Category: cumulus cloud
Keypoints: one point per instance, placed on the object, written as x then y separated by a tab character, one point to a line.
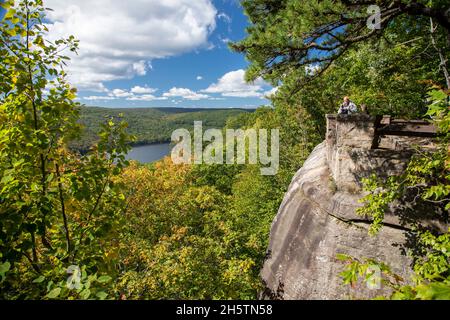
145	97
119	38
143	90
187	94
94	98
138	93
119	93
271	92
199	78
233	84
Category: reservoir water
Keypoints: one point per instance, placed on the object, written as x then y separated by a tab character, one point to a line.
149	153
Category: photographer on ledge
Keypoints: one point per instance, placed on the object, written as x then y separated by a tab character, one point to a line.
347	107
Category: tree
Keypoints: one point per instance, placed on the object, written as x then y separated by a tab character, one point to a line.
58	209
287	36
185	242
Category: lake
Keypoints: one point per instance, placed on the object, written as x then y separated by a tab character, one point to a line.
149	153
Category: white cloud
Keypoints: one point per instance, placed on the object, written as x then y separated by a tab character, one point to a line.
271	92
199	78
140	68
119	93
225	17
136	93
119	38
225	40
93	98
143	90
145	97
233	84
185	94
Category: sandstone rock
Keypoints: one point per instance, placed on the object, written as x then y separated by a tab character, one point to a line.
317	219
312	226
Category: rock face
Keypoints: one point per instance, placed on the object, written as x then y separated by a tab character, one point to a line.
317	220
350	156
311	227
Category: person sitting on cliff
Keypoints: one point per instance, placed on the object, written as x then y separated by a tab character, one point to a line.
348	107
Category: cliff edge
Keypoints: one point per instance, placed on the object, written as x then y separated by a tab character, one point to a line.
317	218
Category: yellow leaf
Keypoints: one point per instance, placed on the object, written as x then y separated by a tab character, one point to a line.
10	13
71	95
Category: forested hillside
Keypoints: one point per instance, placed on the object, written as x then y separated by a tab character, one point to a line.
150	125
166	231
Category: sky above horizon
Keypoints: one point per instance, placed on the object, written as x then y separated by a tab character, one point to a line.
157	53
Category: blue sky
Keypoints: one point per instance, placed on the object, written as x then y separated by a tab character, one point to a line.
157	53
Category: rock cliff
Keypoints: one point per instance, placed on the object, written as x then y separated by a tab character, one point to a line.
317	218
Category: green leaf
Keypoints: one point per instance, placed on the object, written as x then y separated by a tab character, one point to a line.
104	279
342	257
18	162
438	95
54	293
12	32
101	295
6	179
39	279
434	291
85	294
10	13
5	5
4	267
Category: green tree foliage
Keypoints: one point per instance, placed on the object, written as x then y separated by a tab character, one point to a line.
184	242
287	36
57	208
308	49
150	125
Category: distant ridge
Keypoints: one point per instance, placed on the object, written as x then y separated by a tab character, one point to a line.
174	109
152	125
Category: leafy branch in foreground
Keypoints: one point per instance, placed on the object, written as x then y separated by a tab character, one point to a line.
57	209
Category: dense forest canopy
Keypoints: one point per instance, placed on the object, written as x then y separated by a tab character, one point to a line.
200	232
151	125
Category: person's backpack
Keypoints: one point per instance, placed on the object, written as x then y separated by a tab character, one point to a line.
344	110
